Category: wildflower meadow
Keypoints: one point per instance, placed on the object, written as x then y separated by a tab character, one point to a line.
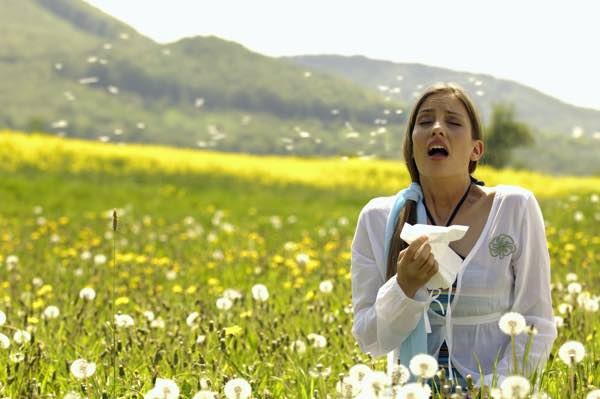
147	272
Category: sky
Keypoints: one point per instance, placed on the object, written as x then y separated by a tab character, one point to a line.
552	46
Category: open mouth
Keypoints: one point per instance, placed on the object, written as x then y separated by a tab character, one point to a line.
437	151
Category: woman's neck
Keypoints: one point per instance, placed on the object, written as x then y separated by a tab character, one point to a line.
441	195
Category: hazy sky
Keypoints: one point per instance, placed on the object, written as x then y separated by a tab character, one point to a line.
553	46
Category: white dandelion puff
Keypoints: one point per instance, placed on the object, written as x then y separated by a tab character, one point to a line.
191	319
224	303
423	365
232	294
326	286
595	394
237	388
571	277
348	387
149	315
21	337
318	341
51	312
574	288
399	374
591	305
565	308
12	261
82	369
164	388
205	394
359	372
559	321
2	318
99	259
512	323
571	352
414	390
124	321
4	341
298	346
515	386
260	292
157	323
302	259
376	383
87	294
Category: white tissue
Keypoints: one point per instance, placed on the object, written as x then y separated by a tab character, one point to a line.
439	237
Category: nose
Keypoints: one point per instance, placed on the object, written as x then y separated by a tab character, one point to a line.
437	128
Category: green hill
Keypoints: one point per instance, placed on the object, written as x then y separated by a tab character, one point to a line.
553	121
69	68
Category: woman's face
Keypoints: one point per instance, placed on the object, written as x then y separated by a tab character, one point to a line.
442	137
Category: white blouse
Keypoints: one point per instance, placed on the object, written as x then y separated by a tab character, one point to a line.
508	269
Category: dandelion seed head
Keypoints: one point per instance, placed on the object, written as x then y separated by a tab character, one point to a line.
512	323
205	394
423	365
595	394
298	346
399	374
571	352
4	341
237	388
191	319
260	292
414	390
51	312
224	303
565	308
318	341
515	386
574	288
21	337
87	294
359	372
326	286
82	369
124	321
232	294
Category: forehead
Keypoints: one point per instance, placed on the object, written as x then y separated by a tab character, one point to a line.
443	102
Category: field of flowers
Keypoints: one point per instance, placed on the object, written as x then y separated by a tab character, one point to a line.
226	275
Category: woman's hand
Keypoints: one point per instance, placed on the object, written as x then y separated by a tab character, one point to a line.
415	266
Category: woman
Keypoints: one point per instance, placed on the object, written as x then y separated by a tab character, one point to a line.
505	262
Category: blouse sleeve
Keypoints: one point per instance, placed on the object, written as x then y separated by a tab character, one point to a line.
532	298
383	315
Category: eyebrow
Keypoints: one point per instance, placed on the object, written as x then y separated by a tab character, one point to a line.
431	110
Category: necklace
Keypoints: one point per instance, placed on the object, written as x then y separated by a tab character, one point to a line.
454	212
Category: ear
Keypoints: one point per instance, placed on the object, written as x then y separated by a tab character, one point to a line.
477	151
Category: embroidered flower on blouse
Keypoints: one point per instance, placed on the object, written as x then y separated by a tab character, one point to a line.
502	245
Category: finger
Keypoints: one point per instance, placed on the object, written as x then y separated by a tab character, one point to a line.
414	246
434	269
423	252
427	263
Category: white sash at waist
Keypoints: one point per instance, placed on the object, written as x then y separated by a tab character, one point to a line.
466	320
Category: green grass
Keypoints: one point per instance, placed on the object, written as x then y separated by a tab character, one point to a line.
153	238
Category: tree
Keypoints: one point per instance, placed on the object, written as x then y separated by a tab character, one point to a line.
504	133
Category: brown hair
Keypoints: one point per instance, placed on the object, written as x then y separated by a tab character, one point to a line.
409	212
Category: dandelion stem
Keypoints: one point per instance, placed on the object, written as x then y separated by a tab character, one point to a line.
114	345
514	353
